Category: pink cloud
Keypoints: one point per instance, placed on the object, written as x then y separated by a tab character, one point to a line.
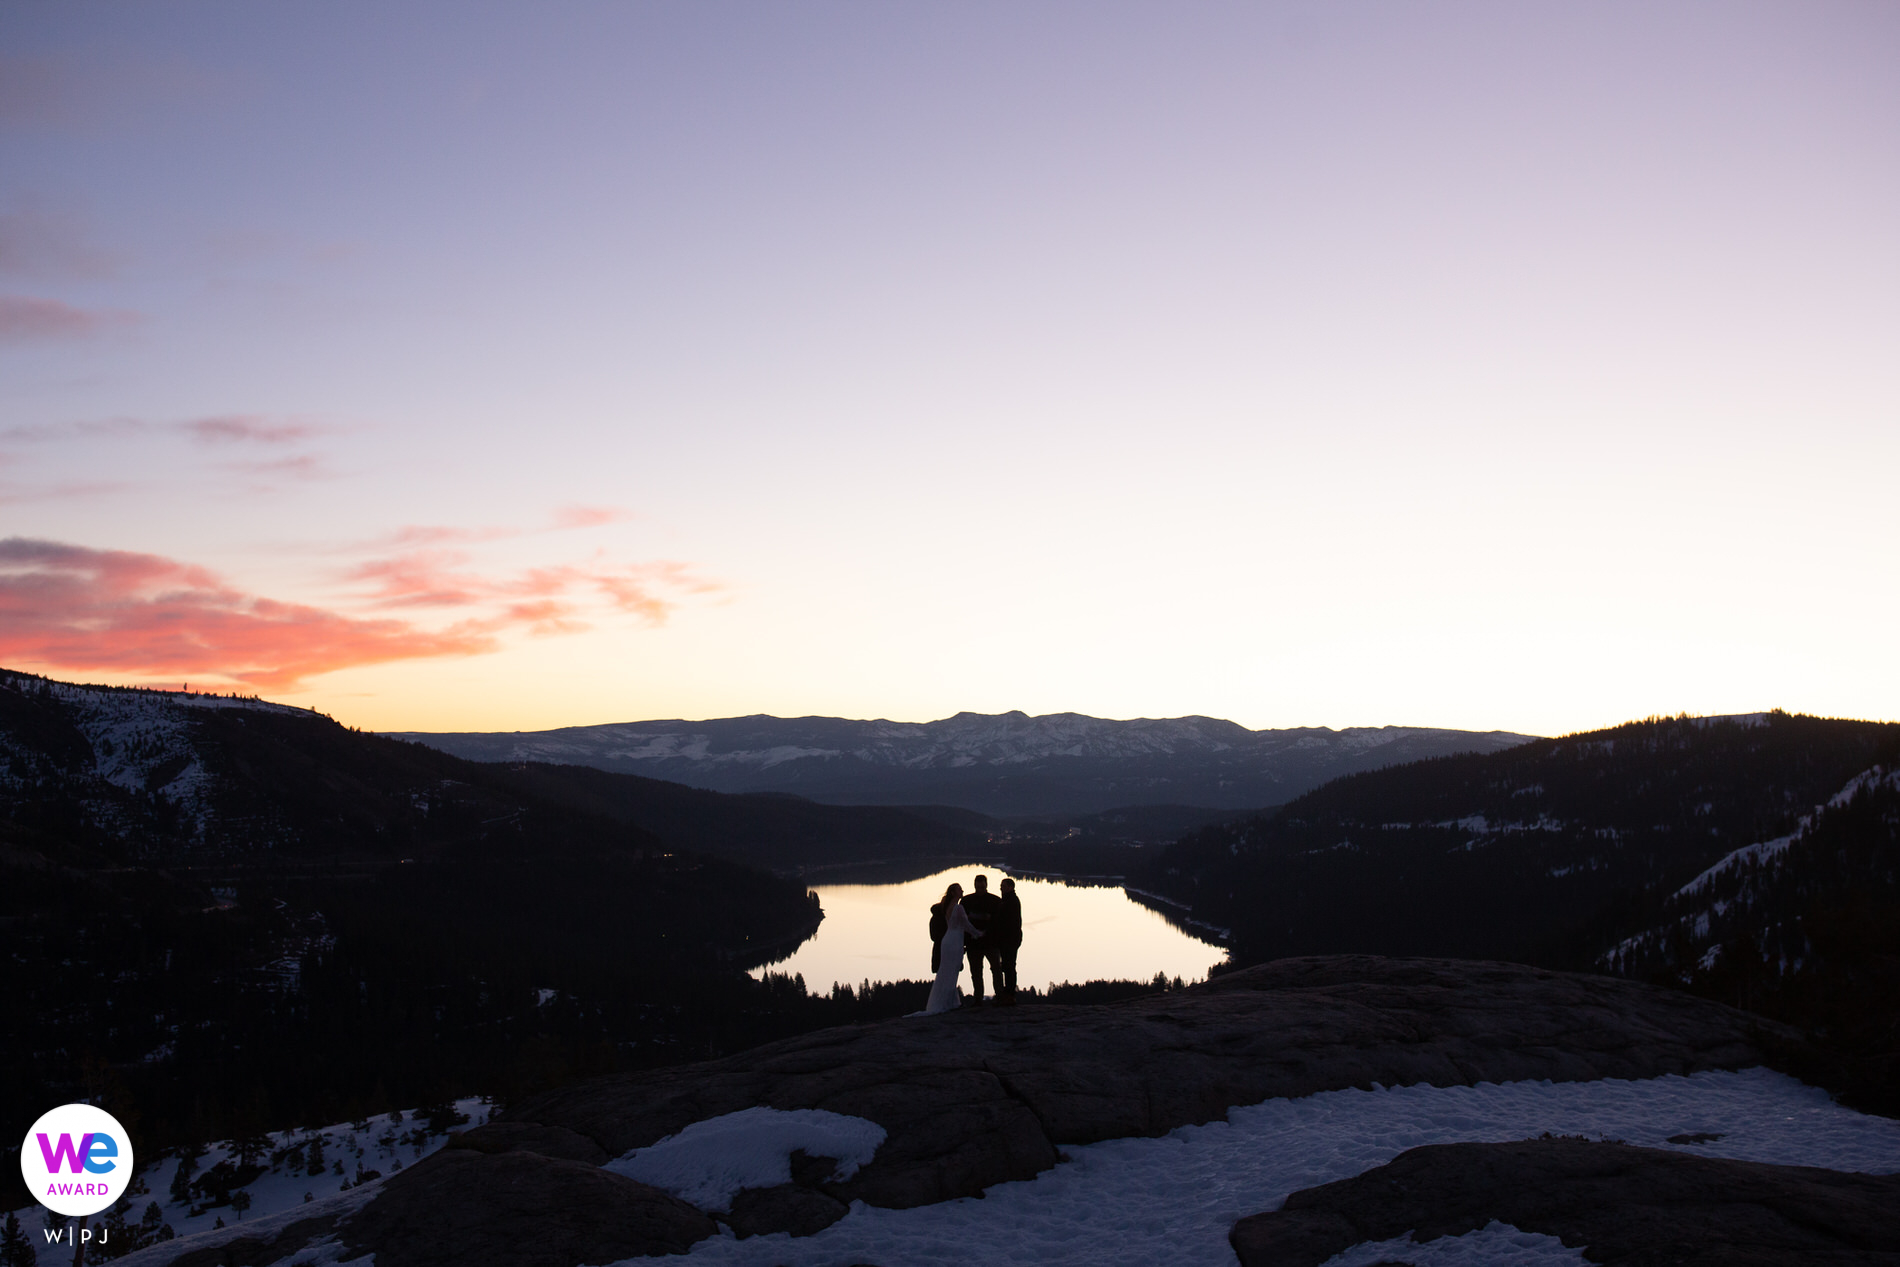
589	516
37	240
240	428
302	466
14	494
33	90
24	317
71	607
95	429
541	597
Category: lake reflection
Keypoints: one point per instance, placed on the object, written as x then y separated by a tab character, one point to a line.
881	932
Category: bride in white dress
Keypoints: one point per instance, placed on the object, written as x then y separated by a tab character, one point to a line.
944	996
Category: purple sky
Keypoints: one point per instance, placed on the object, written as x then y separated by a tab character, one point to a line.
1512	365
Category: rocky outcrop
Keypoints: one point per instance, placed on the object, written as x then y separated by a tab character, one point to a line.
257	1249
800	1207
532	1137
463	1208
1620	1205
977	1097
980	1096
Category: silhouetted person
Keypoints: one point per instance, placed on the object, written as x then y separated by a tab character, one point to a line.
939	925
983	907
1004	940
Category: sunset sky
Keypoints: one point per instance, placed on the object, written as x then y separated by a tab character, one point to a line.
1511	365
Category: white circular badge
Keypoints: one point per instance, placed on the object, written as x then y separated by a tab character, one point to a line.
77	1160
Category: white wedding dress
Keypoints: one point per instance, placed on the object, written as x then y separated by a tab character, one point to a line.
944	995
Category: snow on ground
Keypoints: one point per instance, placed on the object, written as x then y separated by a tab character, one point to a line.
386	1144
1173	1199
322	1252
710	1161
1494	1243
1140	1201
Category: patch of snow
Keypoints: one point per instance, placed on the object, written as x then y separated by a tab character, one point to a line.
1492	1244
1173	1199
1746	720
710	1161
321	1253
1768	849
1757	853
1344	844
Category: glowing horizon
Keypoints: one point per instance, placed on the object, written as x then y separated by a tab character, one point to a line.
1464	366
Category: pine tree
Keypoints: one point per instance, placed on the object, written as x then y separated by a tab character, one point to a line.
16	1250
187	1167
250	1146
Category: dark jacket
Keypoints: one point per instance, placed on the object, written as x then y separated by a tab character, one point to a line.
1007	928
939	925
982	908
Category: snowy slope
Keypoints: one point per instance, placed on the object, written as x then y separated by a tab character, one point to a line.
1730	898
117	750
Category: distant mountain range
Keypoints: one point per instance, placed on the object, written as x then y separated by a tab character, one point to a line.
1004	764
168	778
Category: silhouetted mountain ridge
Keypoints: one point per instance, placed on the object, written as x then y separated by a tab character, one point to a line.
170	778
1006	764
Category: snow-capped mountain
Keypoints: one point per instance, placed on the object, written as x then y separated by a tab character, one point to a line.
1006	763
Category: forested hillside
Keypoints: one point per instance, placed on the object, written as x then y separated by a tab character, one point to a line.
221	916
1590	851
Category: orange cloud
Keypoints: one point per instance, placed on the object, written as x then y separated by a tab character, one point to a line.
70	607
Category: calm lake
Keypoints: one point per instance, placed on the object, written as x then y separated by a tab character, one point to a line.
881	932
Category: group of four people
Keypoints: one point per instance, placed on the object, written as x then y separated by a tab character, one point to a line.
983	927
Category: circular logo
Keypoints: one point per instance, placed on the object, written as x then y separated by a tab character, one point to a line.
77	1160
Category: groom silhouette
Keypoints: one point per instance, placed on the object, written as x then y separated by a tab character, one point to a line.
982	906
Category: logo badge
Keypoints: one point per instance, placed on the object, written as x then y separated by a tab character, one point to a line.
77	1160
